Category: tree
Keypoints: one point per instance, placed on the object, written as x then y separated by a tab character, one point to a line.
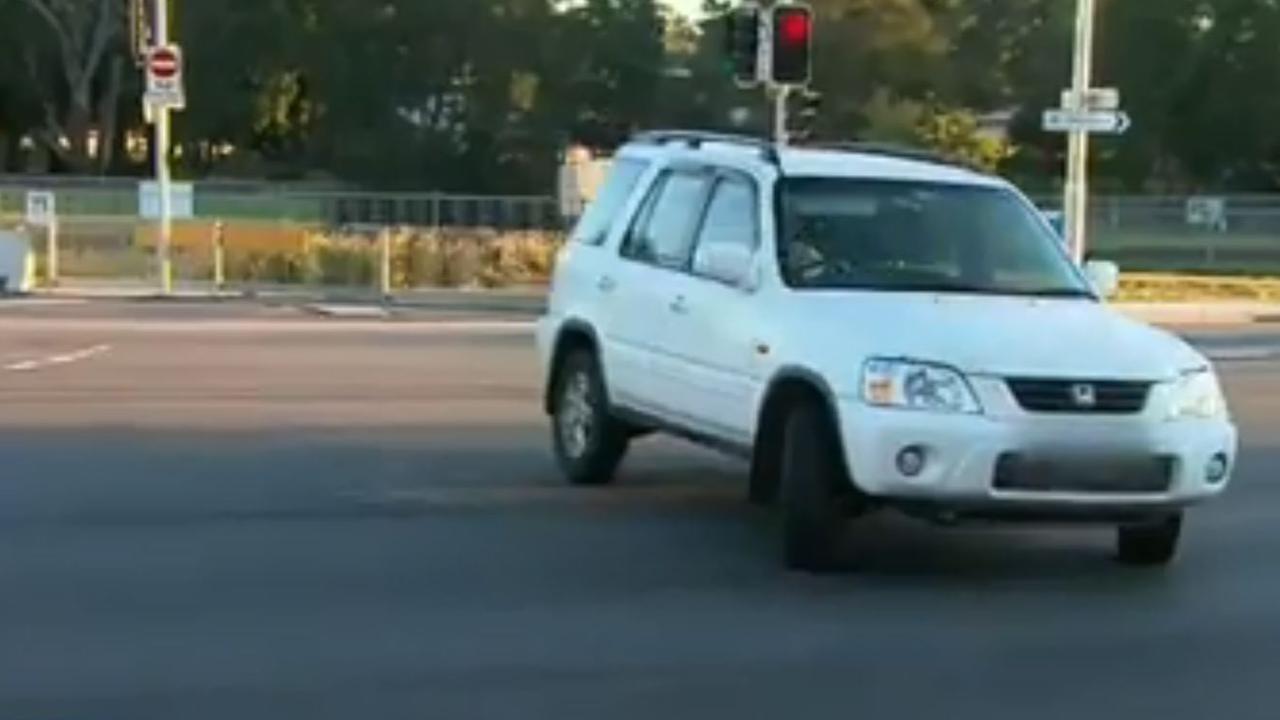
73	60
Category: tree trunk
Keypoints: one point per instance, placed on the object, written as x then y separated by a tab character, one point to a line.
109	117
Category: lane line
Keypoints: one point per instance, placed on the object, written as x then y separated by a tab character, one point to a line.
60	359
1241	353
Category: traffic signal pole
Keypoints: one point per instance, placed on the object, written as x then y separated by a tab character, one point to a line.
1076	198
163	176
780	119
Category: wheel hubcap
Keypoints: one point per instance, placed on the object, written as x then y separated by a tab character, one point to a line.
577	419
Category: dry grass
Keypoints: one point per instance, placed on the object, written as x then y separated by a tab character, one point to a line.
1140	287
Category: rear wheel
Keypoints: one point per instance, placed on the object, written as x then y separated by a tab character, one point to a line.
589	443
1148	543
813	485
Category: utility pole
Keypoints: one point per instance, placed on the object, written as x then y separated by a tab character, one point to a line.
163	177
1076	199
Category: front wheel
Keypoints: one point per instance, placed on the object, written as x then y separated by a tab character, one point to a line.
813	484
589	443
1149	543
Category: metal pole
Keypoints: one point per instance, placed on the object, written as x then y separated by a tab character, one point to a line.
781	92
163	178
51	253
219	257
1076	200
385	279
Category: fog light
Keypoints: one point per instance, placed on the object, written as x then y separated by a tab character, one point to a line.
1216	471
911	461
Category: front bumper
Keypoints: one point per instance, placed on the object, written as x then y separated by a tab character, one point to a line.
962	453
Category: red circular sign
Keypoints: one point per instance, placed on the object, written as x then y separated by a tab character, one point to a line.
163	63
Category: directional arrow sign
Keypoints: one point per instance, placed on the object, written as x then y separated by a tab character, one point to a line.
1106	122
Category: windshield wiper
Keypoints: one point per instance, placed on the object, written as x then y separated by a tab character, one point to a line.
1057	293
966	289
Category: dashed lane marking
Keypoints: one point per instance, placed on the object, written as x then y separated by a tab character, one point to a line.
1242	353
76	356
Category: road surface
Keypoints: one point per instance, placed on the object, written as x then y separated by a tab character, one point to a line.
238	511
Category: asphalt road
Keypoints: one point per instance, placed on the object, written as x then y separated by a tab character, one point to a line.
245	512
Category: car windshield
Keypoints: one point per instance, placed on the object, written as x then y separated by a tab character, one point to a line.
919	236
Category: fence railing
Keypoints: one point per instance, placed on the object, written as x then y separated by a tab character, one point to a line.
101	232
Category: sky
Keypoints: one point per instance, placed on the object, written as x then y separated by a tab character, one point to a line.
688	7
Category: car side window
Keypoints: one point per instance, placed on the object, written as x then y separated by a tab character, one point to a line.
662	233
593	226
732	218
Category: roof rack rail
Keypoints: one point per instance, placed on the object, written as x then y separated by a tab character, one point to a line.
892	150
696	138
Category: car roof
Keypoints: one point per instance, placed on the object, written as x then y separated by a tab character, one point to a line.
869	162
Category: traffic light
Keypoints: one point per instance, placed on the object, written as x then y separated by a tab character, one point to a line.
792	44
804	107
742	40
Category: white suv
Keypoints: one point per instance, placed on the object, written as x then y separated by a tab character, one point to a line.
871	329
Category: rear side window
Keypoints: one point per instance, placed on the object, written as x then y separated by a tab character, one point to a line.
663	230
593	227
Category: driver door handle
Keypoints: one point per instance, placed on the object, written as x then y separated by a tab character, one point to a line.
606	284
679	305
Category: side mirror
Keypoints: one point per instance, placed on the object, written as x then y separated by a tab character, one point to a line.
1104	276
728	263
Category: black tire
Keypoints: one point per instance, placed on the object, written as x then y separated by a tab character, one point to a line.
766	468
813	484
1149	543
593	458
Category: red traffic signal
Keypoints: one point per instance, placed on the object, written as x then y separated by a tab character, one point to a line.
792	44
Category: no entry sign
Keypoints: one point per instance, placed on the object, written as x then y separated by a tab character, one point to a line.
164	78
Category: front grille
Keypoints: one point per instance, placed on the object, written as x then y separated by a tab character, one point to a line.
1108	397
1149	474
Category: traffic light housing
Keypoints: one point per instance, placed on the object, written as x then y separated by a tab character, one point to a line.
792	44
742	44
803	111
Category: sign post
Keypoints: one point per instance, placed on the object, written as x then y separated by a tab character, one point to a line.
1076	195
164	94
42	211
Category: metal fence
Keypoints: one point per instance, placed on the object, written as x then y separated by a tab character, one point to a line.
101	232
118	200
1238	234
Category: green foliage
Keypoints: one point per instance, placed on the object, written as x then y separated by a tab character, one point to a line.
481	95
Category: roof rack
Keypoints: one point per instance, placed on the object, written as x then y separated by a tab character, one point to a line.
891	150
696	138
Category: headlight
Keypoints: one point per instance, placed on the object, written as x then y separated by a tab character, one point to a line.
1196	395
917	386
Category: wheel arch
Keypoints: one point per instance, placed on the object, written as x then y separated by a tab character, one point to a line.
573	334
788	386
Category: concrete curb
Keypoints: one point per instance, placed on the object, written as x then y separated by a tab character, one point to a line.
1211	313
531	302
349	312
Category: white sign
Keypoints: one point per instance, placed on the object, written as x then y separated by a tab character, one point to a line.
1094	99
182	200
1091	121
164	79
42	208
1209	212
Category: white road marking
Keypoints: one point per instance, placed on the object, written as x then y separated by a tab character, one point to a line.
19	302
1228	354
60	359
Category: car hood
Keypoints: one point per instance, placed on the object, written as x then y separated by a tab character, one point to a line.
999	335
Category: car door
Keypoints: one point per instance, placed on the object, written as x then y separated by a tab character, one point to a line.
711	341
653	257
